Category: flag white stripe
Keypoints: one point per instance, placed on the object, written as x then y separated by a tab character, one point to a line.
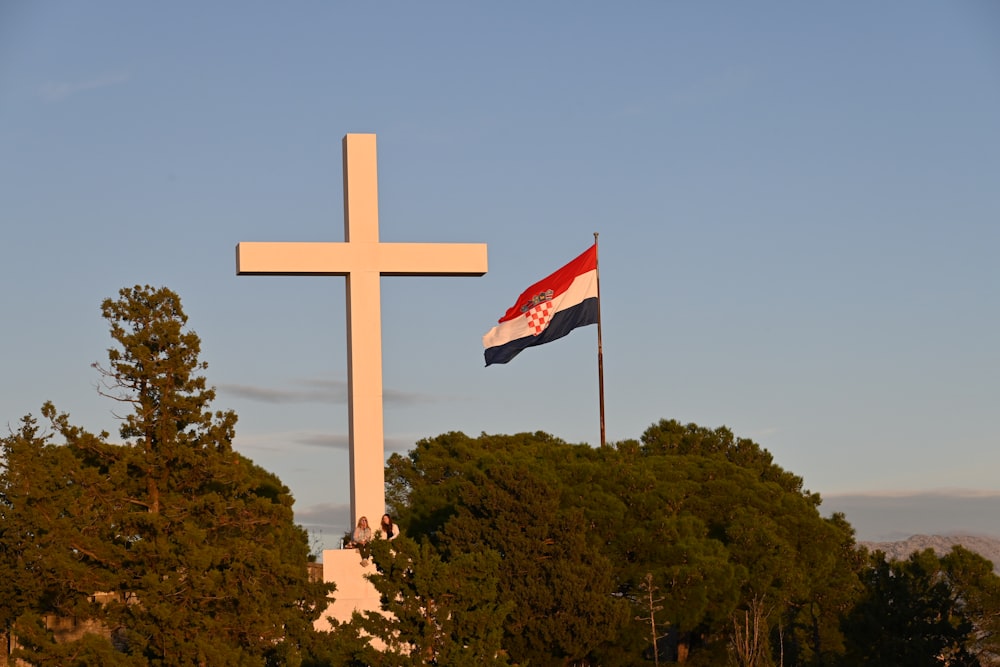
584	287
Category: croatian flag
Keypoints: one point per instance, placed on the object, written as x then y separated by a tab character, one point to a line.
547	310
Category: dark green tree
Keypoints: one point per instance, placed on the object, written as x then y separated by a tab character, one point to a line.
439	612
199	547
55	546
558	581
910	615
503	494
976	588
712	519
656	534
745	531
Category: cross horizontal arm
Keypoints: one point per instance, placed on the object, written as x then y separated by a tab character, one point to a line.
341	259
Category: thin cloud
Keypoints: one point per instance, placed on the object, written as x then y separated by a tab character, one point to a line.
313	391
62	90
393	397
279	442
325	522
342	441
317	391
321	514
325	440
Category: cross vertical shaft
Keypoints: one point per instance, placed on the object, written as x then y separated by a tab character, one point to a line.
364	331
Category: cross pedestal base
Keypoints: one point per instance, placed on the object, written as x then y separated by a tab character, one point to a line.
354	593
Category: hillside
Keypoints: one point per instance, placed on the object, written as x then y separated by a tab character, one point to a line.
987	547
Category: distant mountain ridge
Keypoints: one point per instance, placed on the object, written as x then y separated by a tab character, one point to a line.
987	547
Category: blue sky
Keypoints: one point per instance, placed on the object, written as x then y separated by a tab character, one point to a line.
798	209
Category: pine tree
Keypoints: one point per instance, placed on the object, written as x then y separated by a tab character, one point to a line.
909	615
976	588
197	544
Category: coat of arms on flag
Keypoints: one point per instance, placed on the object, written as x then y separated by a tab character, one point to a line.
539	317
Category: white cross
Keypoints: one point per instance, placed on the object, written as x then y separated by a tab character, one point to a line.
363	260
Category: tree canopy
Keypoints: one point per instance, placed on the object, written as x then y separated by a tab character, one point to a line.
926	610
688	529
193	547
710	520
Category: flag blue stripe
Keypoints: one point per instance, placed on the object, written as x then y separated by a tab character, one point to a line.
562	323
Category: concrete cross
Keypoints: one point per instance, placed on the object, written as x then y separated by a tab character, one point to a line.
363	260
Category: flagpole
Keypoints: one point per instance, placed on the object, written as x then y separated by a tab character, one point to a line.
600	347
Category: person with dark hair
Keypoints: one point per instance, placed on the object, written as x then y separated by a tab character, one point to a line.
389	529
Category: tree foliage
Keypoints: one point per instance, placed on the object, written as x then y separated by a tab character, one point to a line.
976	588
926	610
195	545
440	612
709	520
55	540
746	569
483	495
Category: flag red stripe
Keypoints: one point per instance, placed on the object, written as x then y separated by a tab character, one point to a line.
558	282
